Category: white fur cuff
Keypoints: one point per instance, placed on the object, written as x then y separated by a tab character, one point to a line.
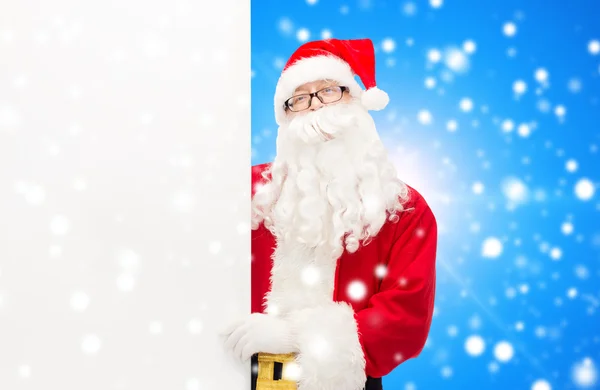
331	357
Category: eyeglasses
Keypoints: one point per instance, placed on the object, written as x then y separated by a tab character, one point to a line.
326	96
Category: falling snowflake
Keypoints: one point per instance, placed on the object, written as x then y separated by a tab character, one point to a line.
519	87
424	117
544	105
155	327
243	228
409	8
381	271
10	118
594	47
515	190
430	83
474	345
507	125
129	260
466	105
55	251
477	188
503	351
303	35
540	332
541	75
574	85
456	60
452	125
79	184
493	367
278	63
292	371
357	291
34	193
193	384
524	130
410	386
24	371
491	247
285	25
446	371
509	29
79	301
585	374
571	165
90	344
319	346
452	331
511	293
555	253
469	46
582	272
388	45
541	384
214	247
310	275
567	228
183	201
125	282
59	225
584	189
434	56
560	111
195	326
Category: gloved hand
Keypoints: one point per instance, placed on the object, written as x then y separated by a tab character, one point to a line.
259	333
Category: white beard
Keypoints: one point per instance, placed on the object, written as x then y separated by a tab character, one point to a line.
332	185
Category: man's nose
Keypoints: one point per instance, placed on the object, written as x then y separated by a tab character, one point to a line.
315	104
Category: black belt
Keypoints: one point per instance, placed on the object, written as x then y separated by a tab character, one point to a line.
371	384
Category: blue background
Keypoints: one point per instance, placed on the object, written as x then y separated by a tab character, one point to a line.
518	208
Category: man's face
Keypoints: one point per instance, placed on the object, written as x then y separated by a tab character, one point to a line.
329	93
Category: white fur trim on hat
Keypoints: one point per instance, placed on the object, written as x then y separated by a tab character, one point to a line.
374	99
306	70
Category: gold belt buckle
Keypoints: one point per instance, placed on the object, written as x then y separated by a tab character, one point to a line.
266	372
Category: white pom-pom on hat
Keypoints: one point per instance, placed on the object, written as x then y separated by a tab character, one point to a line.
374	99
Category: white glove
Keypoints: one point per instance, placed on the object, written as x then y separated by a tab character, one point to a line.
259	333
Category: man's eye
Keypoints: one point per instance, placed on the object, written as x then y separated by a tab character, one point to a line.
299	99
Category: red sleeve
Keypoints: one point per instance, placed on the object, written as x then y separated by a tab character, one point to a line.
262	244
394	326
257	175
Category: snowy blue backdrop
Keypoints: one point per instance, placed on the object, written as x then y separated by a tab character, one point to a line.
494	117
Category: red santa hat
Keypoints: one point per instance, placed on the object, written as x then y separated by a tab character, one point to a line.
332	59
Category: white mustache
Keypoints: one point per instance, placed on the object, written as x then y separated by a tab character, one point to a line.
324	135
326	123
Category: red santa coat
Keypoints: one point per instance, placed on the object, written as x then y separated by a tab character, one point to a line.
397	268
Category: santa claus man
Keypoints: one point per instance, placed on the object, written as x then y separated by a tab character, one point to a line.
343	252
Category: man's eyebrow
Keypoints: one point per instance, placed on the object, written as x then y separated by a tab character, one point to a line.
320	85
327	83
